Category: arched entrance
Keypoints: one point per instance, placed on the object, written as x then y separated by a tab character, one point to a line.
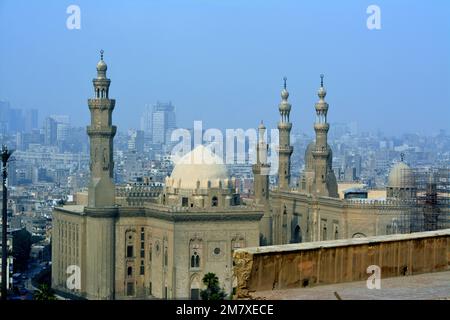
195	287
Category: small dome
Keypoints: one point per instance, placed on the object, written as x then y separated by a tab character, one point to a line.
401	176
101	66
199	165
284	94
322	92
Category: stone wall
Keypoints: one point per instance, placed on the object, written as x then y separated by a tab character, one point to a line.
326	262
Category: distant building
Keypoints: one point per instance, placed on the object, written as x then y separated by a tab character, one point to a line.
50	131
4	116
163	122
31	120
136	140
146	120
10	260
62	126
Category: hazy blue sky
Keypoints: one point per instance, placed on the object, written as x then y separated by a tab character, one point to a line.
222	61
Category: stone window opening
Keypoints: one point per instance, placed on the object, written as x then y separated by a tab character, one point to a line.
142	268
214	201
142	250
130	251
166	257
130	271
195	260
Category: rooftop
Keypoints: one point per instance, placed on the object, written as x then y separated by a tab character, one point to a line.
427	286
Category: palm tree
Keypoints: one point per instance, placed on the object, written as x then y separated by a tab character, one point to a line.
44	292
213	290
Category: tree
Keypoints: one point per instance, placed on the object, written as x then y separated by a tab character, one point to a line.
213	290
44	292
21	249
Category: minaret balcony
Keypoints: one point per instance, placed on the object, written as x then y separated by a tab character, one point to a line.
285	149
321	126
320	152
101	103
101	131
284	126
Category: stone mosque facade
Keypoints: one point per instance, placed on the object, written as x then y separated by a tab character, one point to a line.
160	248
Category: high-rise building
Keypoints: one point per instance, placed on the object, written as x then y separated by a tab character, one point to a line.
62	131
4	116
16	120
61	118
146	120
136	140
50	131
31	117
163	122
62	126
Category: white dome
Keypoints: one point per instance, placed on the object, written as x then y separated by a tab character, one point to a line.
198	165
401	176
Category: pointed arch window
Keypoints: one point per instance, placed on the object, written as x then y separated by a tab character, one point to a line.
195	249
195	260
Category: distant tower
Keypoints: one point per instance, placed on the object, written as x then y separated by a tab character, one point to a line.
324	178
261	168
98	274
284	149
101	134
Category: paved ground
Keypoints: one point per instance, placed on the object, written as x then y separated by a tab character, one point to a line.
427	286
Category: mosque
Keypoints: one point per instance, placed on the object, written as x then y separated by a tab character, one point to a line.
142	246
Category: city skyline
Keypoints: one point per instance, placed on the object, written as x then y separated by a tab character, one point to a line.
374	77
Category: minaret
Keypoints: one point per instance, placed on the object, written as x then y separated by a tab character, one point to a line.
99	269
261	168
101	134
284	149
324	180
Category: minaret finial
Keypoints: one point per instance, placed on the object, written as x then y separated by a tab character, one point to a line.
101	54
321	80
285	79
